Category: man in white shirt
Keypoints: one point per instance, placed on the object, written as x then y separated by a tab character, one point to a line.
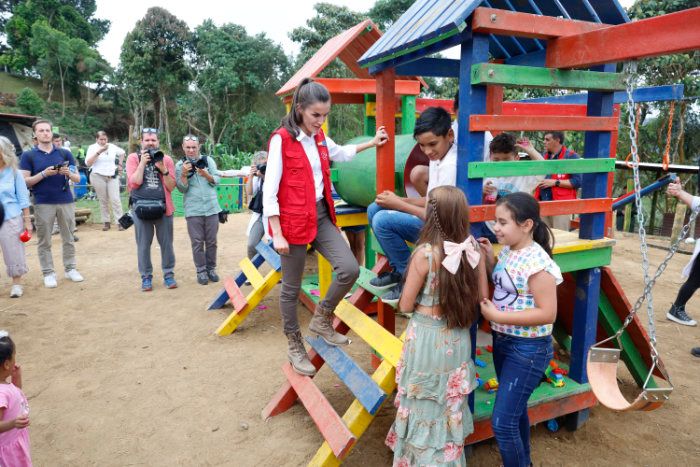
396	220
102	157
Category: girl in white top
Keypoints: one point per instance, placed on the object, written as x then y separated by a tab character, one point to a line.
102	158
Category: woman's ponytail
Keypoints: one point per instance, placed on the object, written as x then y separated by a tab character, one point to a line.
307	93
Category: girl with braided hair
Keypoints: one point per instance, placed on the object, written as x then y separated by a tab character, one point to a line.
445	280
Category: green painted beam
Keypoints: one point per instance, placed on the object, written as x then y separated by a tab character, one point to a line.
408	114
538	77
585	259
370	123
418	46
334	175
630	354
563	166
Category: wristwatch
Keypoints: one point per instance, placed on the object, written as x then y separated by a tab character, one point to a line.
557	183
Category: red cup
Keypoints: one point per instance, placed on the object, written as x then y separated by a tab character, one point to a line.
25	236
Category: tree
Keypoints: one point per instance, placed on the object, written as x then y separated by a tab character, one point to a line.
29	102
153	65
385	12
55	53
232	72
74	18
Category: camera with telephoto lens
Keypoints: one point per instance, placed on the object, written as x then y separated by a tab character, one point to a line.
156	155
261	168
200	163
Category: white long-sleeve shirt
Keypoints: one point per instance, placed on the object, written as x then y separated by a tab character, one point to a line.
273	175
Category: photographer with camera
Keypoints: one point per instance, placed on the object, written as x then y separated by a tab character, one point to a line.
47	169
197	183
253	188
150	178
104	176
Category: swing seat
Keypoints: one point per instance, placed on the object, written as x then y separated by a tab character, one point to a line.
602	375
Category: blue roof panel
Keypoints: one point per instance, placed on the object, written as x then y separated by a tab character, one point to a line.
427	20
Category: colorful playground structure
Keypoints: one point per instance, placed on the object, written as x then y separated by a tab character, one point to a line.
539	44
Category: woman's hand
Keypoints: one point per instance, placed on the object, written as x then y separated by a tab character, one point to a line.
675	188
381	137
488	309
280	244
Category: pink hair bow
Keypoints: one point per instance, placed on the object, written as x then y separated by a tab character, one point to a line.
453	254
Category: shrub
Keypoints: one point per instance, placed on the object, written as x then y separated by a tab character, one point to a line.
29	102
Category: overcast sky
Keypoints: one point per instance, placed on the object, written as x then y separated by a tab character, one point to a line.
276	18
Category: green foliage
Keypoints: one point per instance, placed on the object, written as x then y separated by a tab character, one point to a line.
385	12
29	102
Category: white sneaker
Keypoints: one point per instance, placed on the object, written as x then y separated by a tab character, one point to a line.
50	281
74	275
16	291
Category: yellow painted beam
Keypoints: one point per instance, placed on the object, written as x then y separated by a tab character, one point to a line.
349	220
254	298
381	340
251	273
371	110
324	127
325	275
357	418
563	244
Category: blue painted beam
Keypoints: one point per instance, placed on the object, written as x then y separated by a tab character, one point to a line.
649	94
657	185
427	66
222	297
532	59
360	383
265	250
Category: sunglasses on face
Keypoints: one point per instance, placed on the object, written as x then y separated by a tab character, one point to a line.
190	138
150	130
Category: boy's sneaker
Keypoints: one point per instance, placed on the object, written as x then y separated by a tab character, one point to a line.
678	315
16	291
50	281
170	283
74	275
146	284
385	280
391	298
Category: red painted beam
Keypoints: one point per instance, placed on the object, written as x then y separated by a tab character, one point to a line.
539	413
334	431
540	122
423	103
285	397
367	86
386	111
512	23
548	208
234	294
662	35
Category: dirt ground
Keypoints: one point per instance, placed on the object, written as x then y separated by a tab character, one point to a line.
115	376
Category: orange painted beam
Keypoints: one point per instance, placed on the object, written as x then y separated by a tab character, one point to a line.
539	413
512	23
386	110
487	212
540	122
662	35
367	86
234	294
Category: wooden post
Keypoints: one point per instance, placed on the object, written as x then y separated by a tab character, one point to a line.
370	122
652	216
627	224
678	220
408	114
386	110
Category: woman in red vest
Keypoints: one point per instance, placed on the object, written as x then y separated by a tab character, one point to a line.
298	205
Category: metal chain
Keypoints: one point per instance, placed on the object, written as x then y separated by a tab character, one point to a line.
630	69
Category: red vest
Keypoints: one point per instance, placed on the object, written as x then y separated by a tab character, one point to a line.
297	190
560	193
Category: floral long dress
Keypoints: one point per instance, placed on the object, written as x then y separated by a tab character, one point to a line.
434	377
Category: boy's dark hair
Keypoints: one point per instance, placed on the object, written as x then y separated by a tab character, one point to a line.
556	135
503	143
7	348
435	120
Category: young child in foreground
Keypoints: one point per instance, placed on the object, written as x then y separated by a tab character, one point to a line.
445	280
14	410
523	309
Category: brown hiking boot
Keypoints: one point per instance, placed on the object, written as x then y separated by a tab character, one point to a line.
296	353
322	324
106	226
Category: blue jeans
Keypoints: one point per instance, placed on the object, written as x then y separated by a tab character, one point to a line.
520	364
393	229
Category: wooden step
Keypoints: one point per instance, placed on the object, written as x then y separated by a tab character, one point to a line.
555	166
363	281
540	123
329	423
256	295
270	255
234	293
222	296
251	273
551	78
360	383
381	340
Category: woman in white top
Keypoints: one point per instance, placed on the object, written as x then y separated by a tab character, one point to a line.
253	188
102	157
298	205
